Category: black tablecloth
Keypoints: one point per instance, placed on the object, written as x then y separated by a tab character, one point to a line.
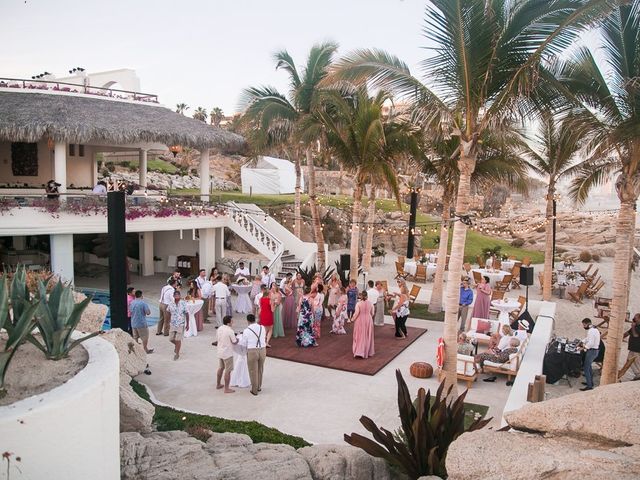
558	364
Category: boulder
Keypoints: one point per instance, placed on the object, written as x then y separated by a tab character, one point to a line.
343	462
133	358
136	414
228	456
486	454
92	318
610	413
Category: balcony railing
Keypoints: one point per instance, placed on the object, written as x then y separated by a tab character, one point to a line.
55	86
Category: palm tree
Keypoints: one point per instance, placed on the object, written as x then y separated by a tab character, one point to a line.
555	157
200	114
181	108
288	119
609	91
488	57
216	115
370	230
366	145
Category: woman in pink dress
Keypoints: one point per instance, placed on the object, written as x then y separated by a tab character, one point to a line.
290	317
363	328
483	299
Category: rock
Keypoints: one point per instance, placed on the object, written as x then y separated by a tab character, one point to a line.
338	462
430	477
228	456
136	414
610	412
92	318
133	358
484	454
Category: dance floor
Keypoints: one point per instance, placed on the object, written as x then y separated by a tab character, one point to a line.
334	351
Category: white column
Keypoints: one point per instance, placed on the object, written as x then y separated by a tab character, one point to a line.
145	243
60	165
207	248
62	256
143	168
219	245
204	175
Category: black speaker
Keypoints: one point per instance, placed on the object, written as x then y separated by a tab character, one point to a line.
345	261
526	276
116	229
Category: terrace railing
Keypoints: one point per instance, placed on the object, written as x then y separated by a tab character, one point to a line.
55	86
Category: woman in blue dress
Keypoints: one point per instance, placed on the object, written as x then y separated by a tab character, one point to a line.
305	336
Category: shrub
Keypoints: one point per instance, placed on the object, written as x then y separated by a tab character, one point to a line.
110	166
542	229
428	428
517	242
585	256
489	251
595	257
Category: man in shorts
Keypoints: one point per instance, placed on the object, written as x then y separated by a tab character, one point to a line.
226	340
178	312
139	311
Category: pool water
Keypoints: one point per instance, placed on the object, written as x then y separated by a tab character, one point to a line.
101	297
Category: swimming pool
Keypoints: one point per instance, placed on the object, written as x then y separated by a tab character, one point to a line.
101	297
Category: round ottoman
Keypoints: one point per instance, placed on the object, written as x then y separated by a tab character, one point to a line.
421	370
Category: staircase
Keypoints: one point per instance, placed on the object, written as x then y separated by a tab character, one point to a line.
289	264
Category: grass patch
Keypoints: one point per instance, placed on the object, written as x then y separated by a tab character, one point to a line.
156	165
420	310
167	418
473	410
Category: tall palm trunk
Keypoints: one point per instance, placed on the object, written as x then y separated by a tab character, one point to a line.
548	245
435	304
466	165
355	231
625	233
297	226
315	214
368	245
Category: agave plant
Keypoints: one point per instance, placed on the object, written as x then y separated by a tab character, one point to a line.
56	319
17	331
345	275
428	428
308	274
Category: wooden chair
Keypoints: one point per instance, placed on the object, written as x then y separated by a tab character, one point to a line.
586	272
503	285
400	273
497	264
421	274
526	261
401	260
592	276
577	296
541	280
413	294
516	313
511	257
446	263
480	261
477	278
596	288
497	295
515	276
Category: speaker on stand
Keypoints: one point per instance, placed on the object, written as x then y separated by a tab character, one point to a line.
345	261
526	279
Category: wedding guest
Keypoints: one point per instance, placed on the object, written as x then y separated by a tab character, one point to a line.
194	293
287	278
213	275
241	271
220	294
500	356
464	346
100	188
276	307
140	329
298	289
266	314
401	311
166	297
51	188
177	276
634	346
483	299
591	345
372	296
506	334
318	309
466	299
207	293
227	281
254	338
521	334
289	317
130	298
178	312
267	277
254	294
334	293
378	318
363	343
226	340
305	336
352	298
340	317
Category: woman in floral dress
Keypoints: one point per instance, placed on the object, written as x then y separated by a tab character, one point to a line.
340	317
334	294
276	307
298	289
304	336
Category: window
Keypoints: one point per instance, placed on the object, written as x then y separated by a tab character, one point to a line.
24	159
81	150
72	150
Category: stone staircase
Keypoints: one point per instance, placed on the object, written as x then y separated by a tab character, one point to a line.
289	264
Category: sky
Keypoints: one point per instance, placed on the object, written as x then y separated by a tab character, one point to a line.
199	52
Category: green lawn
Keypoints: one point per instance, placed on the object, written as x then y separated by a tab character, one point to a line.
475	243
167	418
156	165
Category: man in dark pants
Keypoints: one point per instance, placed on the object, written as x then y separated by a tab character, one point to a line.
591	347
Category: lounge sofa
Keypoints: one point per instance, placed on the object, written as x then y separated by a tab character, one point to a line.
509	368
482	337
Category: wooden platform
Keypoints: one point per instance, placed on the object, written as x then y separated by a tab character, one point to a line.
334	351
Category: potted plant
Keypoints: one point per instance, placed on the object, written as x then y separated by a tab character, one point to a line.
157	264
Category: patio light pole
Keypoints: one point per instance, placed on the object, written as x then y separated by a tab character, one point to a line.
415	191
116	230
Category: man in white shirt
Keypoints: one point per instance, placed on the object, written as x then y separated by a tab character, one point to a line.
166	297
242	271
226	340
372	293
201	282
592	348
220	292
284	281
267	278
521	334
254	337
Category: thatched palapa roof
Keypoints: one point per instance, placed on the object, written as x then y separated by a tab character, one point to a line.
30	116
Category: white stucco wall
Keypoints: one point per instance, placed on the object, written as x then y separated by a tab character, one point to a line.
169	243
72	431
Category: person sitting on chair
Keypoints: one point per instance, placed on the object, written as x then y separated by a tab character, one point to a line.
464	346
500	356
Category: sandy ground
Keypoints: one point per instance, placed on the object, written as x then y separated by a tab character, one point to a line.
30	373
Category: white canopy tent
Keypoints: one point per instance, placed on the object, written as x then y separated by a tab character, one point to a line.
269	175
